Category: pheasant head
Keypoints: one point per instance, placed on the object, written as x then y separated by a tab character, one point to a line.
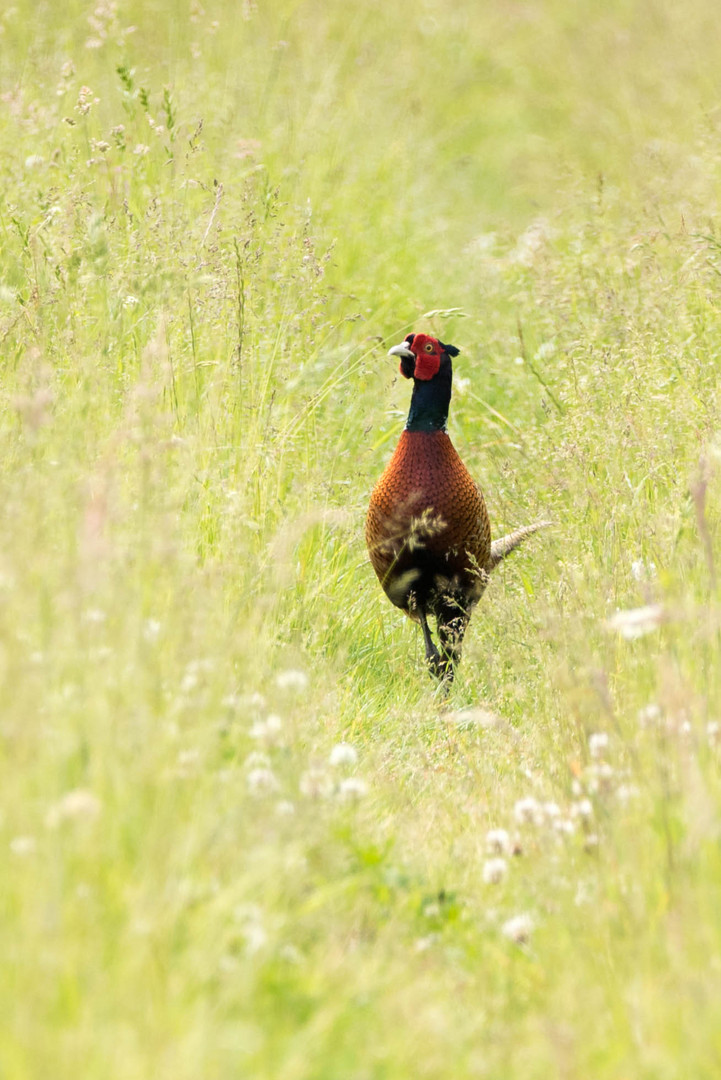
427	361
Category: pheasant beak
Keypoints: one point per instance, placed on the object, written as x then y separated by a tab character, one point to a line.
407	365
402	350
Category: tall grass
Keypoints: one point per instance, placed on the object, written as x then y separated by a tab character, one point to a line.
214	219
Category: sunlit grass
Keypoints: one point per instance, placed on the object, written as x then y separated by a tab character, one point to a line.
240	833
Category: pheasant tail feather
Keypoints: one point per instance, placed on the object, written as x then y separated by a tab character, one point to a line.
506	544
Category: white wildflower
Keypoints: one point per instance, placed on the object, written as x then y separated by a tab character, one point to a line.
130	301
518	929
151	630
494	870
531	242
74	805
498	842
636	622
551	810
273	723
599	777
343	754
262	781
650	714
285	808
713	731
528	811
257	760
352	788
597	743
583	809
250	917
292	679
189	681
245	701
315	783
641	571
255	937
267	730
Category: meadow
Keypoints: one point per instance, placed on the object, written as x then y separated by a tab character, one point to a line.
241	835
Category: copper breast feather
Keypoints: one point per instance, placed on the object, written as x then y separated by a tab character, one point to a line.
427	526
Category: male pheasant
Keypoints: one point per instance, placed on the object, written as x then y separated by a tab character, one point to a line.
427	529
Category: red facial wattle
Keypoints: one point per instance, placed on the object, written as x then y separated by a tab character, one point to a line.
420	356
427	352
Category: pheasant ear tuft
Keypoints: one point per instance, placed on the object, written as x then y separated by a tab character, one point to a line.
450	349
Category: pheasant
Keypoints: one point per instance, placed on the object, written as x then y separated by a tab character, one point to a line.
427	530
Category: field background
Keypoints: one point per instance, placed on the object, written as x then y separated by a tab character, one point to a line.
215	218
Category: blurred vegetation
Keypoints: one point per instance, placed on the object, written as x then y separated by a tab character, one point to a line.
214	220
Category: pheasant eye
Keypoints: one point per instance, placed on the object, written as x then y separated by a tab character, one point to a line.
429	347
